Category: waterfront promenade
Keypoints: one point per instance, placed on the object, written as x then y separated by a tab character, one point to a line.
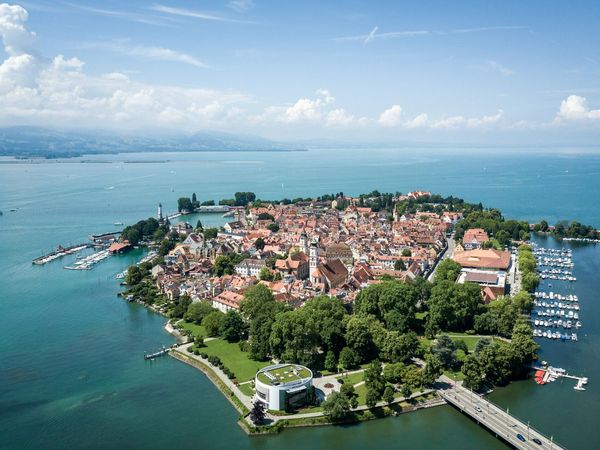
498	421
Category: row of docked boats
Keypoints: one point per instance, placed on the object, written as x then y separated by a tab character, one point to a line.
564	263
552	296
555	315
558	305
87	262
545	276
557	323
562	311
552	251
549	334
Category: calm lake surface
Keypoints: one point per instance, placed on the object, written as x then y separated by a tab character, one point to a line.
71	367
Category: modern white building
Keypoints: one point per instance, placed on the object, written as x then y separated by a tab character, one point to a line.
283	386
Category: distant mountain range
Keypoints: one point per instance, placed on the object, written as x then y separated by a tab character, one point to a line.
28	142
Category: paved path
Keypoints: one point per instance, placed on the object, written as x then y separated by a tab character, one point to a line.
495	419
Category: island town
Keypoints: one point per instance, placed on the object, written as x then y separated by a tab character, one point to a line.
339	309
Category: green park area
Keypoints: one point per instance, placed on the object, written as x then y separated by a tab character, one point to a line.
234	359
197	330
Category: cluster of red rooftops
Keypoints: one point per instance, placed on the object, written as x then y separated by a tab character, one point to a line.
317	249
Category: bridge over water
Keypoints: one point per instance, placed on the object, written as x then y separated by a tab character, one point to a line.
495	419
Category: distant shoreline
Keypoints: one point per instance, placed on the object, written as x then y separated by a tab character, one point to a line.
50	157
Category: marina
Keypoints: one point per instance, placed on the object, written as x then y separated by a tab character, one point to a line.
555	316
89	261
59	253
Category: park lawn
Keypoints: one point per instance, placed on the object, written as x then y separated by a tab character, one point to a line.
197	330
362	394
471	341
234	359
458	375
246	389
421	315
353	378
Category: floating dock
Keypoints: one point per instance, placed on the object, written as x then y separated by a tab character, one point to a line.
161	352
544	375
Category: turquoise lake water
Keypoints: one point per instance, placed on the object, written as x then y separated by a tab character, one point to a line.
71	367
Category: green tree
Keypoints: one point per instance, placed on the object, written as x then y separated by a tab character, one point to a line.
400	347
328	316
212	322
197	311
199	341
372	398
523	301
259	308
233	327
447	270
243	198
330	361
360	339
257	414
392	302
273	227
406	252
432	370
444	349
388	395
406	391
210	233
374	380
182	304
412	376
348	359
259	243
165	247
453	306
184	204
393	372
134	276
349	392
336	407
399	265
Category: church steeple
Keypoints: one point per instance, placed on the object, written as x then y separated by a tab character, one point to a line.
304	242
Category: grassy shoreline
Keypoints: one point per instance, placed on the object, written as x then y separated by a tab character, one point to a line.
425	401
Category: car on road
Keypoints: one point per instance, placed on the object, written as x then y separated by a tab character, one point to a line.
537	441
521	437
478	409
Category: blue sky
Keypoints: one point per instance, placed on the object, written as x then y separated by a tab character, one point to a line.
465	71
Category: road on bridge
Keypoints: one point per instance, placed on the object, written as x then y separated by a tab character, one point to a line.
495	419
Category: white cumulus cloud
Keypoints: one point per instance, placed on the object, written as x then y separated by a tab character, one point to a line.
574	108
391	117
